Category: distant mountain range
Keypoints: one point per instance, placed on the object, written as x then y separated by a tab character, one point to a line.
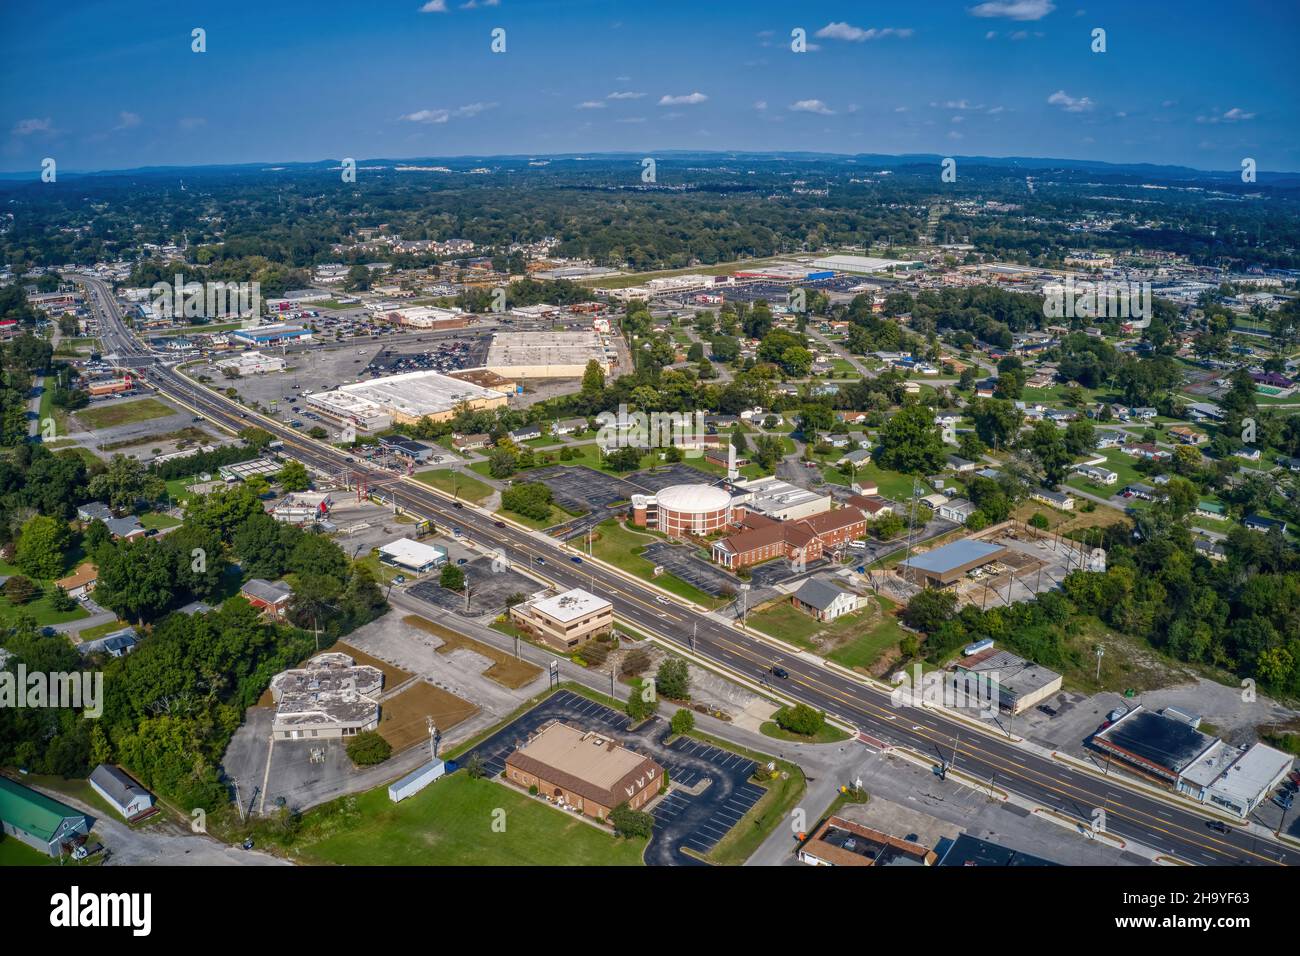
1148	171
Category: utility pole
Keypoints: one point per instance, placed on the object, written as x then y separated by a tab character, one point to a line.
1100	653
466	577
695	630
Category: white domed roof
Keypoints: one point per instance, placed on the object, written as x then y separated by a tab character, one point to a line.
693	499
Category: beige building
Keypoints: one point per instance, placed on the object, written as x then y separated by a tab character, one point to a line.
545	354
330	697
584	771
565	620
403	399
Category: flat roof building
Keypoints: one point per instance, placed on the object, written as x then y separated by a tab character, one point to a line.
404	398
1157	744
863	264
545	354
564	620
331	696
584	770
412	556
841	842
1233	779
942	566
1016	683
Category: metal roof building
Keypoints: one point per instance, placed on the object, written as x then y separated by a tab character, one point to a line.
943	566
1155	743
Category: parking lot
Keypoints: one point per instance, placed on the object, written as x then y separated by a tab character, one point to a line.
488	589
682	561
698	820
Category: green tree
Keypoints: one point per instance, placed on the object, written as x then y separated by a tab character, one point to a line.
673	679
683	722
928	610
452	577
41	547
910	441
293	477
801	719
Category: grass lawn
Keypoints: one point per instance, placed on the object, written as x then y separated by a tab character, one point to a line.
892	484
450	823
40	609
621	547
13	852
152	520
854	640
827	735
123	413
99	630
557	516
456	483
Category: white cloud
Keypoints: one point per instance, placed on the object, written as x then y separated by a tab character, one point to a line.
27	127
475	4
760	104
688	99
590	105
812	106
624	95
1071	104
434	6
127	120
1234	115
1014	9
630	119
440	116
845	31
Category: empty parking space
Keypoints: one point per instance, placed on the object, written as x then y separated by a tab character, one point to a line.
488	589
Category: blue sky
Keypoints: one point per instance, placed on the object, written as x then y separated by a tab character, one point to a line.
105	85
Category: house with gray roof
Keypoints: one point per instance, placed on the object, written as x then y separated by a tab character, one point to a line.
825	599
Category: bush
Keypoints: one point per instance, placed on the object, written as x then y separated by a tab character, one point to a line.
368	748
595	653
631	823
1039	521
635	662
532	499
683	722
801	719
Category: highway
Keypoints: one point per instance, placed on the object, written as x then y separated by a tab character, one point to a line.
1160	824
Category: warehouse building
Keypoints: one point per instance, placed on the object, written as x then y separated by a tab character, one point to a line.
253	363
584	771
330	697
565	620
545	354
1016	684
943	566
41	822
403	399
863	264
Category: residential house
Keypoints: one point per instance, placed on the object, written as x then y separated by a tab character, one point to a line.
826	600
80	582
271	598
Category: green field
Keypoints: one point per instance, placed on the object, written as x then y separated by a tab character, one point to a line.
124	413
152	520
40	609
829	734
853	640
456	483
13	852
621	547
450	823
